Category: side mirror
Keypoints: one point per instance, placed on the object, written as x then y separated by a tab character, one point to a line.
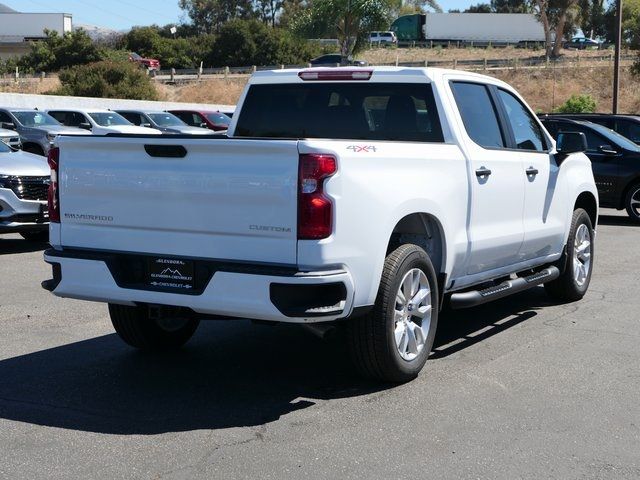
568	143
204	125
85	126
146	125
607	150
8	125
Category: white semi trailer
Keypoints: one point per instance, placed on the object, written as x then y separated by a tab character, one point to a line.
16	27
483	27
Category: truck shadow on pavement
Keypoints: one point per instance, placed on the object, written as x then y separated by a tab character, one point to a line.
11	246
232	374
617	221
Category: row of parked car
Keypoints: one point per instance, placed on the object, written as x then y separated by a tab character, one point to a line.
33	130
26	136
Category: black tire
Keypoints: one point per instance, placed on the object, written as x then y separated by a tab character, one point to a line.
371	337
566	288
35	149
137	329
633	195
36	236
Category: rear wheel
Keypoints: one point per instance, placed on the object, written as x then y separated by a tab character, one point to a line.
138	329
574	281
632	202
36	236
393	341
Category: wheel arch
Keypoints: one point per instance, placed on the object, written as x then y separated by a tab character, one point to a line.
588	202
426	231
625	191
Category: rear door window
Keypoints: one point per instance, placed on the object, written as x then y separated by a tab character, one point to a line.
478	114
629	129
366	111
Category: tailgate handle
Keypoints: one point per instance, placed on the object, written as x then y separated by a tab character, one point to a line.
166	151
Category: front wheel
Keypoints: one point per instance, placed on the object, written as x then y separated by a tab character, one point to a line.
632	202
138	329
573	283
393	341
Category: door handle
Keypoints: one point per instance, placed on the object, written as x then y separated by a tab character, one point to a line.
483	172
532	171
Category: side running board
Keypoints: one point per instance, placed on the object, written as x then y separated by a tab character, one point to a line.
509	287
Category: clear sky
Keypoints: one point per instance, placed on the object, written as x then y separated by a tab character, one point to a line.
123	14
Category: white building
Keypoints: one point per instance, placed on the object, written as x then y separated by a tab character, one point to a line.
17	29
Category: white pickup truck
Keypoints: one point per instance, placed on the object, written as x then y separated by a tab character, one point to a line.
365	197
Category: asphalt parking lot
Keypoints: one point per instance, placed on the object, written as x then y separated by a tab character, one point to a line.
521	388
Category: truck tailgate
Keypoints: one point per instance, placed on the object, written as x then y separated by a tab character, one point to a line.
227	199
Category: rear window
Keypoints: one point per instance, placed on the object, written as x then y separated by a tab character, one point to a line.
366	111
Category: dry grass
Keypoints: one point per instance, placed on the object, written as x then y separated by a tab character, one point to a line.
29	85
545	90
217	91
390	55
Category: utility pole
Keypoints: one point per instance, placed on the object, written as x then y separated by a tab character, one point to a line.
616	65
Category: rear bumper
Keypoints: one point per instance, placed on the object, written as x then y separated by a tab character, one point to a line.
296	297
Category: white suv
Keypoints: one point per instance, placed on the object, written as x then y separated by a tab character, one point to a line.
383	37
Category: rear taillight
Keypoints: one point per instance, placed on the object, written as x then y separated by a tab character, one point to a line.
54	194
315	210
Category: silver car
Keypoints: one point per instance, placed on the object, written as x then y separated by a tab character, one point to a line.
24	183
36	129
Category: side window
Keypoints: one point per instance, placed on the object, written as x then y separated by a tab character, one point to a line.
527	132
131	117
629	129
5	118
552	128
478	114
59	116
74	119
197	120
594	140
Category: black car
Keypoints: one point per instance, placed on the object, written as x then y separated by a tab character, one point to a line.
626	125
615	161
333	59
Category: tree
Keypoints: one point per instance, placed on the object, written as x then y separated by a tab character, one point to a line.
107	80
479	8
172	52
511	6
56	52
592	17
208	16
630	22
251	42
291	9
268	10
350	20
420	5
556	16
